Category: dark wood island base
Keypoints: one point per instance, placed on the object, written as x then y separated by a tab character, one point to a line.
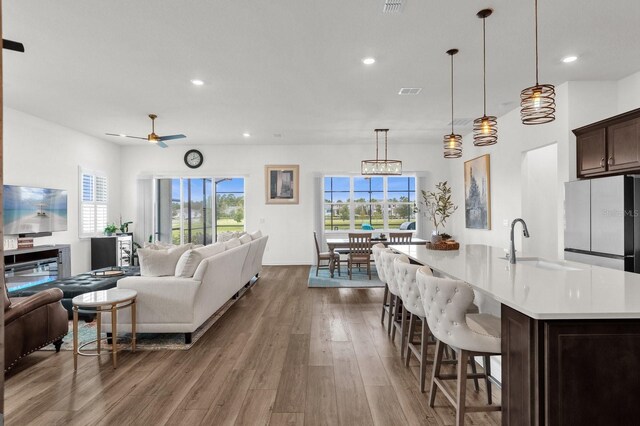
569	372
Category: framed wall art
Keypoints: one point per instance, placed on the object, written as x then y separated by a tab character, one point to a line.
282	184
477	193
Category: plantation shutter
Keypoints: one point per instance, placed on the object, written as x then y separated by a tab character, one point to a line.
94	196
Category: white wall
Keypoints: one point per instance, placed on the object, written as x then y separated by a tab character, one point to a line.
44	154
628	93
289	227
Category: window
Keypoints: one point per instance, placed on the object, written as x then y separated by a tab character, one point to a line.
187	207
368	203
94	197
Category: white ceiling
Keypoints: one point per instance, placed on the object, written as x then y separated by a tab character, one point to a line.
294	66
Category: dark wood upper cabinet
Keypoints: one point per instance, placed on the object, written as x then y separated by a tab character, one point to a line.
624	145
609	147
592	152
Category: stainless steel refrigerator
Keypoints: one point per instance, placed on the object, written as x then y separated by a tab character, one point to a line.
602	224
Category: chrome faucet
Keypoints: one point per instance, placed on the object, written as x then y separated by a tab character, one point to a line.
525	233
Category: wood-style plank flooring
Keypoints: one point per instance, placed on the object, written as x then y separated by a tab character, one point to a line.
284	354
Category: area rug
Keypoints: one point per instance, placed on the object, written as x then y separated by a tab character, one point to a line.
144	341
360	278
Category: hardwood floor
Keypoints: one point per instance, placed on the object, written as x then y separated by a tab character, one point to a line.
284	354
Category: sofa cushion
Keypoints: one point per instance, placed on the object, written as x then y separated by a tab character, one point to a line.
190	259
160	263
256	235
246	238
232	243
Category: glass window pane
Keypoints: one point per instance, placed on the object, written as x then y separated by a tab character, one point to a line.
336	217
229	205
403	183
368	184
400	213
368	217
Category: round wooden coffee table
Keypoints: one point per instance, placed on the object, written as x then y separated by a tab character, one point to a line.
98	302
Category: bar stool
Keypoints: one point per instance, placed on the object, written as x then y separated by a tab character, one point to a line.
396	315
412	302
376	250
445	304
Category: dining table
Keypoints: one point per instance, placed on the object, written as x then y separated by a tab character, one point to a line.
343	243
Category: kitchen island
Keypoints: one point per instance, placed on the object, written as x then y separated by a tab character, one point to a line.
570	334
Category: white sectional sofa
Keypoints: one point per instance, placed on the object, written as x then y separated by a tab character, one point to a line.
173	304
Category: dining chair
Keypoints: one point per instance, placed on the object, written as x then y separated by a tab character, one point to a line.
400	237
325	256
445	304
395	304
359	251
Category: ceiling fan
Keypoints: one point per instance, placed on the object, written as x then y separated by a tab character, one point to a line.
12	45
152	137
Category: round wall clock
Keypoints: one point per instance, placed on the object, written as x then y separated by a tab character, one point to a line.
193	158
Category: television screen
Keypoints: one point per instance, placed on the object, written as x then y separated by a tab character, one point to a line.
32	210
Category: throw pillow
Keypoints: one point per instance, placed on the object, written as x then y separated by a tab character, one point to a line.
256	235
190	259
225	236
160	263
246	238
232	243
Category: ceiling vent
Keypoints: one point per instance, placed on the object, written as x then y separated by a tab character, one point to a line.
392	6
410	91
461	122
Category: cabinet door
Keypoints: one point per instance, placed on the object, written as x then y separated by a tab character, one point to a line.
592	152
624	146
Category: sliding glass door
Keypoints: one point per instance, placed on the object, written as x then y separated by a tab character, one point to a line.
186	208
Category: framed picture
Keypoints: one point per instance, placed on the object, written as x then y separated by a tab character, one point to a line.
477	193
282	184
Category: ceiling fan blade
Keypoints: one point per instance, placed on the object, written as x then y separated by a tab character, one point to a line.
171	137
125	136
12	45
162	144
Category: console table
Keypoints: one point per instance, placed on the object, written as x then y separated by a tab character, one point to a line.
29	267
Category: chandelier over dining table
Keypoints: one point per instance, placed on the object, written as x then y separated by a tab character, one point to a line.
380	167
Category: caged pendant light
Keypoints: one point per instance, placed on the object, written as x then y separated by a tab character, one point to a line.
485	128
380	167
452	142
537	103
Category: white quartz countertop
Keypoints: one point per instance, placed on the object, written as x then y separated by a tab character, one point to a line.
550	290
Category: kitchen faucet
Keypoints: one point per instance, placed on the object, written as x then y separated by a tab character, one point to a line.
525	233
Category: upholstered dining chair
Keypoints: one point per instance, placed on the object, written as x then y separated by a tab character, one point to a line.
412	303
359	252
325	257
395	304
377	249
400	237
445	303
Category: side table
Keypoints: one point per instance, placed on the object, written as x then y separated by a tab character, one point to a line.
97	302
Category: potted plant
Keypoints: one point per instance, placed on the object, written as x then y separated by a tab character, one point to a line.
439	208
110	229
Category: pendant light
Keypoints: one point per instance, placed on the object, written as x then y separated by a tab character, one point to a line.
452	142
381	167
485	128
537	103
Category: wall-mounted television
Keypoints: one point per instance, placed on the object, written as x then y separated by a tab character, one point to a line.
30	210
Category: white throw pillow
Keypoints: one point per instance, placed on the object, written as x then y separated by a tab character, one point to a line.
232	243
256	235
190	259
246	238
160	263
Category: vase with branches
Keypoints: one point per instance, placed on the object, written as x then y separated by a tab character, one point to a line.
439	207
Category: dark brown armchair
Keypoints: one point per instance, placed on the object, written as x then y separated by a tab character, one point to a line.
31	323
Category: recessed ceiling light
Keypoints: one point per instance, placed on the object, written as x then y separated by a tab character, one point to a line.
369	61
246	134
569	59
197	82
122	136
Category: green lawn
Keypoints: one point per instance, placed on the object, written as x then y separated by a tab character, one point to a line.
377	224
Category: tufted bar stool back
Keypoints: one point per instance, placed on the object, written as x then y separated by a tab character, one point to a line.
376	250
405	273
395	306
446	302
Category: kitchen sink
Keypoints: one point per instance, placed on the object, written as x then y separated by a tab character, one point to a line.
552	265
